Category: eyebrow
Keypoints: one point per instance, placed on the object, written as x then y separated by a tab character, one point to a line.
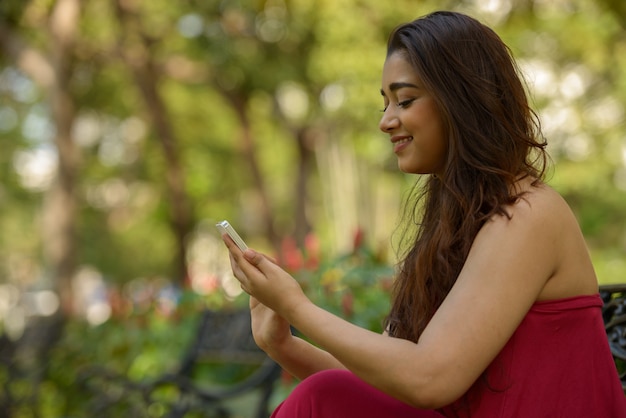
398	85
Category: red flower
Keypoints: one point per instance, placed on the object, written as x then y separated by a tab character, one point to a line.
291	255
347	304
358	239
312	247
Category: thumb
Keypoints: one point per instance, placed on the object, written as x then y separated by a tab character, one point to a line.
254	258
260	262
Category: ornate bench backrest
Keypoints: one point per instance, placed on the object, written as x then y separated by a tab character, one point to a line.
614	315
226	336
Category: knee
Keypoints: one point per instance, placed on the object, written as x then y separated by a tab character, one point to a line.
327	382
321	390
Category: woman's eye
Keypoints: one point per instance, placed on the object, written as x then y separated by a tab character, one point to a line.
405	103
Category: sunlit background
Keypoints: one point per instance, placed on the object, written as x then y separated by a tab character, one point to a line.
574	79
129	128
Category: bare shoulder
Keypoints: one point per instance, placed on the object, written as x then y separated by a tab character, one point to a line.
543	218
540	210
529	232
541	200
540	235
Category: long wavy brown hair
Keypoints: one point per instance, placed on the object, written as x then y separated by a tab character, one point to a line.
494	139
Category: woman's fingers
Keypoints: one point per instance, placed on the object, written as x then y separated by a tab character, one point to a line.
260	277
235	267
246	266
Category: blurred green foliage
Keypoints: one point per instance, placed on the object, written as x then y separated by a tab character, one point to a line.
145	341
272	109
355	286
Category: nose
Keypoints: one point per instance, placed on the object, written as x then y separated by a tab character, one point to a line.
388	121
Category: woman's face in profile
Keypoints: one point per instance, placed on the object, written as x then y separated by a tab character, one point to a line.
412	119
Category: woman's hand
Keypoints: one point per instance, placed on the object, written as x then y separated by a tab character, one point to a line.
270	330
265	281
275	297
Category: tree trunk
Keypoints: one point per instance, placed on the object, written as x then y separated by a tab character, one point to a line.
59	210
250	156
305	138
53	75
138	57
28	355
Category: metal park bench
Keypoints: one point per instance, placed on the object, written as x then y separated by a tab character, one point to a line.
223	339
614	315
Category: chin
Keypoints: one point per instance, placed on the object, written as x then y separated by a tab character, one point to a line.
410	170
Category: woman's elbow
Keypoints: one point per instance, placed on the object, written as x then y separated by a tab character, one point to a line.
433	396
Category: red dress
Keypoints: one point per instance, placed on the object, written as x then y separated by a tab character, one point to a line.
556	364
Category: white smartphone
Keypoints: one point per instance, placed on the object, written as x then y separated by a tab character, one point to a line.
225	228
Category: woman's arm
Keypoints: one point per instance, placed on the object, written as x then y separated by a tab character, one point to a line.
295	355
302	359
505	272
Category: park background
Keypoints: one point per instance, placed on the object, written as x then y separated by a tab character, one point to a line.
128	128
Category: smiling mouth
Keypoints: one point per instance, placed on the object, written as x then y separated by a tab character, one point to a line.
404	140
398	145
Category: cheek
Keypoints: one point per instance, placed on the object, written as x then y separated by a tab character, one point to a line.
443	146
439	144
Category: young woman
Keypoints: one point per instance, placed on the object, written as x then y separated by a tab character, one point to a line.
496	311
